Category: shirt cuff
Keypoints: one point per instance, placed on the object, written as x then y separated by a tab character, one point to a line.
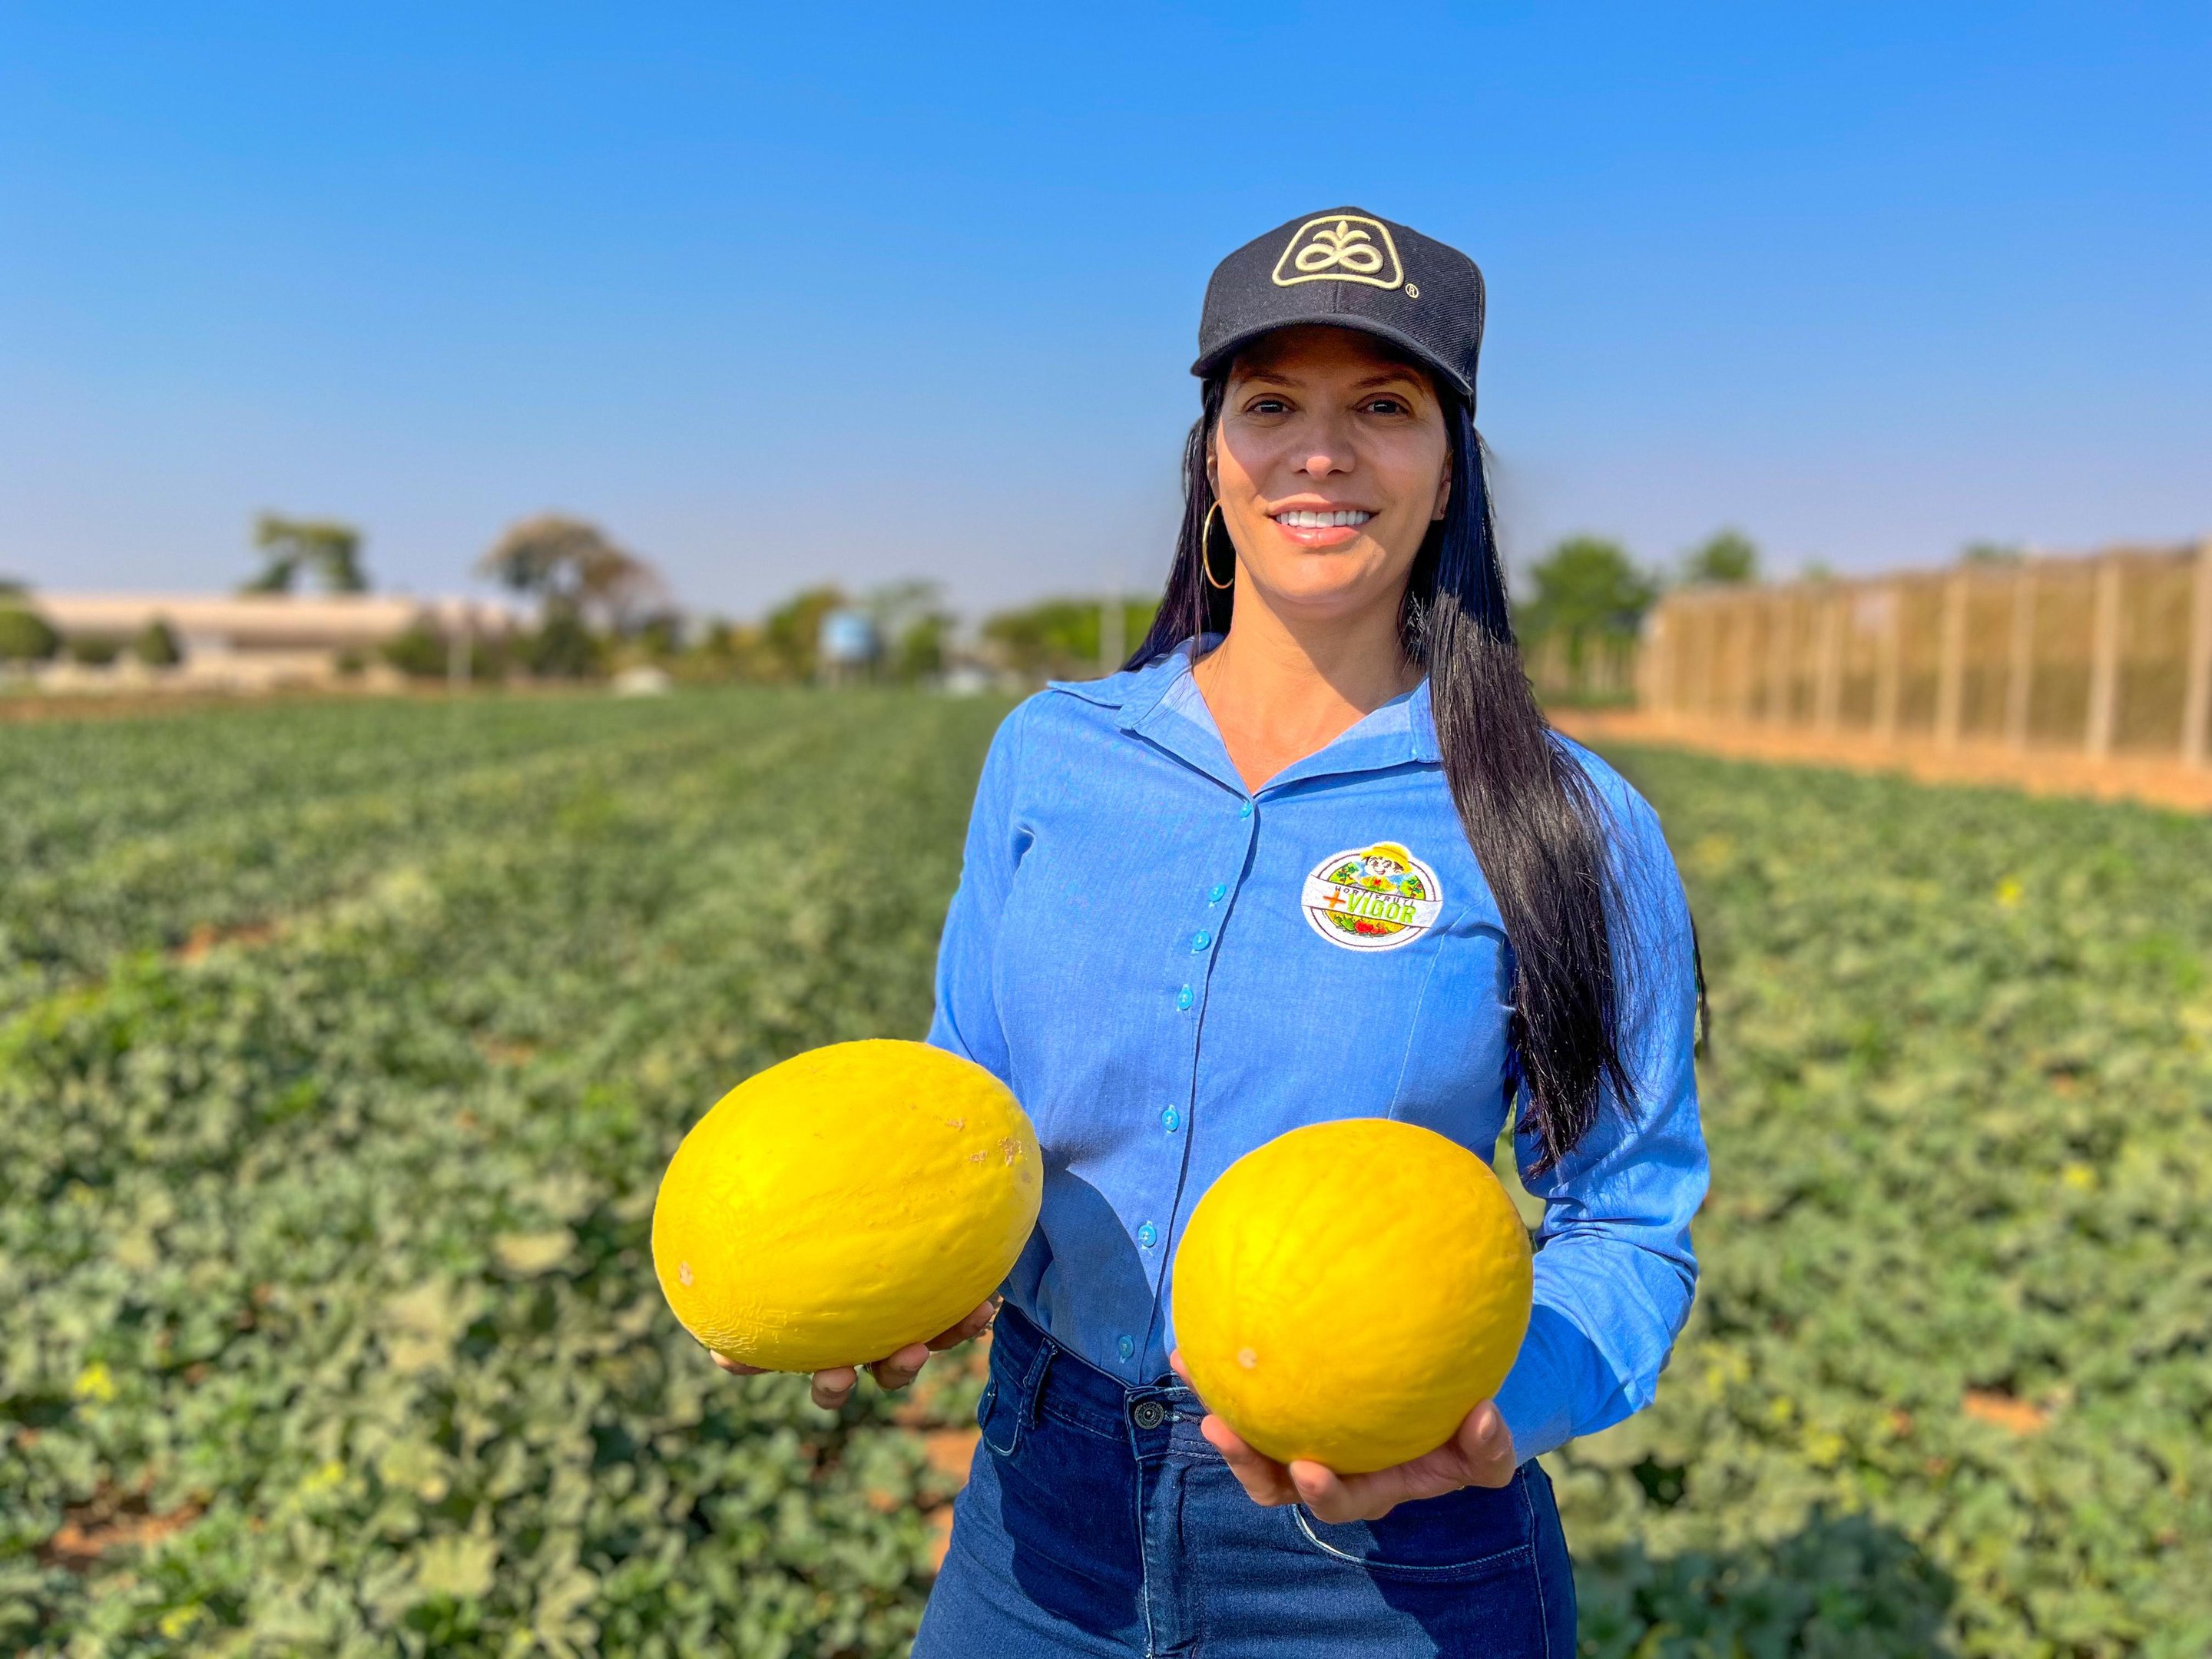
1538	1398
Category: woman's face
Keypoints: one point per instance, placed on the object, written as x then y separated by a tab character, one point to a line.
1330	462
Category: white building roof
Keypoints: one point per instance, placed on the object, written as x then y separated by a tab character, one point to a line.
266	621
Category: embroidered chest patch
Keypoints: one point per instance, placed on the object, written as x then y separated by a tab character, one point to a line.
1372	898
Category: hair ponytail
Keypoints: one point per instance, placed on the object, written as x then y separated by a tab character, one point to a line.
1530	814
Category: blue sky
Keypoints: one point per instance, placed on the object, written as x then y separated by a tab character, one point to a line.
809	293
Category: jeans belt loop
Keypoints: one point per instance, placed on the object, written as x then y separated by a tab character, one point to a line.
1033	1384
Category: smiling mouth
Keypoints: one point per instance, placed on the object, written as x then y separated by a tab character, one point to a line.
1300	518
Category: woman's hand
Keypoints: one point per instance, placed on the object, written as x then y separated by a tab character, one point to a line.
1480	1454
834	1387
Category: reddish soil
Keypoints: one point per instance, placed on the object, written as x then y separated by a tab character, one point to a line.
28	708
113	1518
2020	1415
2034	771
205	937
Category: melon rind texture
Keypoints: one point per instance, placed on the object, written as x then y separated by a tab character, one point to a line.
1350	1290
855	1199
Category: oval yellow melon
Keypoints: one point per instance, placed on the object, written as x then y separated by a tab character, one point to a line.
1349	1291
851	1200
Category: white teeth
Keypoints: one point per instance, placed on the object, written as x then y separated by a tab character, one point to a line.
1305	520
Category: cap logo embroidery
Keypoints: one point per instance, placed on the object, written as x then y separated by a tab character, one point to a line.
1372	898
1341	247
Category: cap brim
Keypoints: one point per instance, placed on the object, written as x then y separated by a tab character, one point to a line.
1235	343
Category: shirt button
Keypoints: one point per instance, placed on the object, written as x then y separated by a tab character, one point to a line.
1172	1119
1183	998
1200	940
1148	1236
1126	1348
1220	892
1150	1413
1244	808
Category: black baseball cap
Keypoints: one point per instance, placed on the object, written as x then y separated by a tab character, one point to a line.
1348	269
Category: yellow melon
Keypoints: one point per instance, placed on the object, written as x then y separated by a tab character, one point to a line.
1349	1291
855	1199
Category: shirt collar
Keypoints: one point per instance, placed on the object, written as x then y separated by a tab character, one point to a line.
1162	703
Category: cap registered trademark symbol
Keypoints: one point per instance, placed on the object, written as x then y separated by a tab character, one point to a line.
1412	293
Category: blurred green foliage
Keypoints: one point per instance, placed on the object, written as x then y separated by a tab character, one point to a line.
341	1046
156	646
1060	639
325	546
1727	557
26	636
329	1247
1952	1350
1585	585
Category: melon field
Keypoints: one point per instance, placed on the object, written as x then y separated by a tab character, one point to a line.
341	1046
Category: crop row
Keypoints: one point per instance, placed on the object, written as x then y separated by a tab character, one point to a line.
1948	1382
332	1326
328	1258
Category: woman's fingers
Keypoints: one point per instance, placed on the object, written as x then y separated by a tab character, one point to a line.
901	1368
1338	1498
1264	1480
735	1367
1484	1446
833	1388
975	1325
1480	1454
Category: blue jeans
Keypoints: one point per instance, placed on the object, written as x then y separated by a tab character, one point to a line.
1097	1519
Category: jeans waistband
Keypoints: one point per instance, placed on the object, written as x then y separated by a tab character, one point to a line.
1048	1380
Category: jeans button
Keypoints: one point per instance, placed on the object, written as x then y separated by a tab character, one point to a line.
1150	1414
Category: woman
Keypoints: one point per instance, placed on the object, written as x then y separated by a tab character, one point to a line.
1141	947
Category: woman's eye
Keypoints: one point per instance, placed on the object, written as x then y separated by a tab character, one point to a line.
1385	406
1269	406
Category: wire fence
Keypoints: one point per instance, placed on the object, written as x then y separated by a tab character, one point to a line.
2104	655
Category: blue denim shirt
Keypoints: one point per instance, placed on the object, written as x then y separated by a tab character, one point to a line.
1169	970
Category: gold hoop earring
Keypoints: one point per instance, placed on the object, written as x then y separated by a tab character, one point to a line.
1205	556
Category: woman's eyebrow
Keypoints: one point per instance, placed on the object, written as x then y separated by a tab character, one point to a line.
1390	377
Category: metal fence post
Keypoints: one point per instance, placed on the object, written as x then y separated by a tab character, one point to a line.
2020	670
1889	648
2105	660
1780	625
458	643
1951	662
2197	706
1828	663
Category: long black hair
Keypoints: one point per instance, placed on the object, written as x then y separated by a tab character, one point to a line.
1530	813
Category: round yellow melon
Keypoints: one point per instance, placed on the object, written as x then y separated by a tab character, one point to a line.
1349	1291
855	1199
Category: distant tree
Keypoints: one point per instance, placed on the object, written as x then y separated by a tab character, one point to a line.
569	565
1059	637
419	652
1726	556
724	650
330	549
1990	553
93	650
11	587
918	649
660	635
911	618
156	646
26	636
1586	585
791	633
562	647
